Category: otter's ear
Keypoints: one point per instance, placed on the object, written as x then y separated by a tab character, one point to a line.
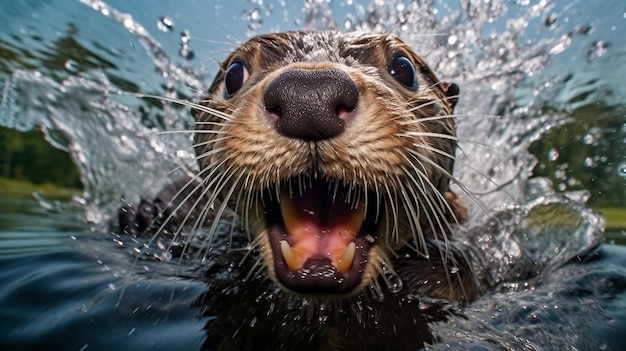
452	92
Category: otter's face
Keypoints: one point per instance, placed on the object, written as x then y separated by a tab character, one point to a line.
335	149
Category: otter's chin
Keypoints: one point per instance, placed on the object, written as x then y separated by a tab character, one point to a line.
320	234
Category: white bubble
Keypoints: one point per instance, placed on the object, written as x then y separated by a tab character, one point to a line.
71	66
553	154
165	24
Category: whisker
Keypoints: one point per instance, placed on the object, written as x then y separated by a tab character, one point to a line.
421	120
458	183
197	106
435	150
430	134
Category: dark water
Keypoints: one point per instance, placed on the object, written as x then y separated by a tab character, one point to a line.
68	283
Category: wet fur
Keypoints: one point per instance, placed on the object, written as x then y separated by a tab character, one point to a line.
401	146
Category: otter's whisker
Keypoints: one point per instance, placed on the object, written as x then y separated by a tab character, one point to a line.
187	103
227	196
498	186
422	120
423	104
302	185
392	202
419	158
210	142
159	230
436	210
413	213
256	267
181	226
430	134
183	131
433	149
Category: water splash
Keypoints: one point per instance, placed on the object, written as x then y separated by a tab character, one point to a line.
485	47
105	138
165	65
499	52
481	46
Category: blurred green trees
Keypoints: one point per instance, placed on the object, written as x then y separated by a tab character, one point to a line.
588	153
27	156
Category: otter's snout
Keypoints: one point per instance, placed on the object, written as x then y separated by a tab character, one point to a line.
311	104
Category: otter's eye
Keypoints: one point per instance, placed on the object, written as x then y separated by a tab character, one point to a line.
403	70
236	75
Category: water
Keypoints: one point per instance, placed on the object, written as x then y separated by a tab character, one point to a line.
526	68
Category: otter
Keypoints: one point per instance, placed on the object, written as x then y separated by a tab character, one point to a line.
335	152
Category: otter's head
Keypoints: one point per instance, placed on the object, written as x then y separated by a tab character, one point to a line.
335	149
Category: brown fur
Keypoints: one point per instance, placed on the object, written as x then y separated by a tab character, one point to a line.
391	141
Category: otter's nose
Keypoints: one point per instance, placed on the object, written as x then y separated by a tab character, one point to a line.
311	104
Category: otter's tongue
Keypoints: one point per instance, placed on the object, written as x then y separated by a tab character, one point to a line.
320	224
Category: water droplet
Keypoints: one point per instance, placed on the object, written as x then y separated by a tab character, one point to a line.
584	29
185	36
551	19
553	154
392	279
377	292
597	49
589	139
589	162
621	170
165	256
185	51
347	24
254	14
71	66
572	181
165	24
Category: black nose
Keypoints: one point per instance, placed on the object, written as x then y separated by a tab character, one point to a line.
311	104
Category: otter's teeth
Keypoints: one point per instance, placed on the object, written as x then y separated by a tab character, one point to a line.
355	221
290	215
289	255
344	263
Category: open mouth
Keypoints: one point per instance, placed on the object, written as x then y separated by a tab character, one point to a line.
320	232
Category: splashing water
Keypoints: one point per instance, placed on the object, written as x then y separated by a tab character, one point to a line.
470	43
499	52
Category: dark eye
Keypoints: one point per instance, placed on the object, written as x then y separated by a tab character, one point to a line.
236	75
403	71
